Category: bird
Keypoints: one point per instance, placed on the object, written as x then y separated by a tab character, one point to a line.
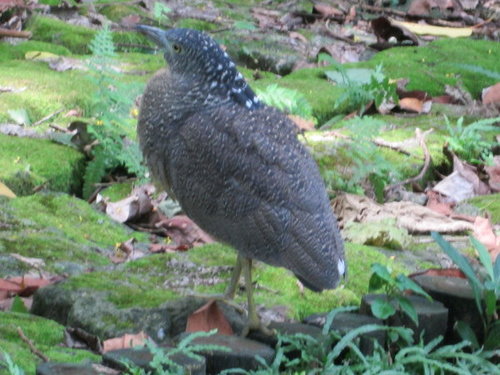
236	166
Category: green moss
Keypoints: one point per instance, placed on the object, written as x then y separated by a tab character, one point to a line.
26	163
8	52
118	191
444	61
46	335
63	231
76	218
488	203
42	90
141	288
116	12
191	23
77	38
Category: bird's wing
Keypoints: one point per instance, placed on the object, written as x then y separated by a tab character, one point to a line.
246	179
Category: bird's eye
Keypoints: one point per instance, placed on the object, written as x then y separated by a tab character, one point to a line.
177	48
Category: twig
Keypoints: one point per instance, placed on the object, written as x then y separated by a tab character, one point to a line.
61	129
47	117
33	349
15	33
383	143
427	161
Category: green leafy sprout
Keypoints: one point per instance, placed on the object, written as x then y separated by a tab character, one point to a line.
486	291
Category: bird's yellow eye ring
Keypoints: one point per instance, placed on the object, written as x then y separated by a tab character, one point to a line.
177	48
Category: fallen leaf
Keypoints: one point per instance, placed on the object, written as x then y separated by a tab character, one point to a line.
484	233
491	94
411	105
326	10
184	232
131	208
439	203
413	217
5	191
23	286
423	29
32	262
302	123
462	183
493	172
209	317
125	341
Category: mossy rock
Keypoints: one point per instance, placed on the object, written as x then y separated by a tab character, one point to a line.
66	232
46	335
42	91
9	52
192	23
116	11
77	38
26	163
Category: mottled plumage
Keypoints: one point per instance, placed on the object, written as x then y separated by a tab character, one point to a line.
234	164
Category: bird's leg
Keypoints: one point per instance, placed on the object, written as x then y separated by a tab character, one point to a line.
235	279
254	322
230	292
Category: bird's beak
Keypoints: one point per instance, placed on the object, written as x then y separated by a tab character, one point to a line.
155	34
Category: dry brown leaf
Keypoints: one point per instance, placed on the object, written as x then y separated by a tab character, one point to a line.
493	172
209	317
302	123
463	183
125	341
5	191
22	286
439	203
421	7
184	232
413	217
423	29
129	209
411	105
491	94
483	231
326	10
298	36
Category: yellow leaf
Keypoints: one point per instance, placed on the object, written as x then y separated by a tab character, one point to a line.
5	191
422	29
40	56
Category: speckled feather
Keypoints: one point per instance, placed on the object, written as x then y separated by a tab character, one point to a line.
235	165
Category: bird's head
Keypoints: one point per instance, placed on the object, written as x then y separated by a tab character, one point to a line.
196	56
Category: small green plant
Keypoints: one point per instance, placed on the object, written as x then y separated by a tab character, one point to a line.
369	164
472	142
114	127
486	290
160	12
12	368
287	100
361	86
163	363
394	287
335	353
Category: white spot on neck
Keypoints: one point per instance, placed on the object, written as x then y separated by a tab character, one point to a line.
341	267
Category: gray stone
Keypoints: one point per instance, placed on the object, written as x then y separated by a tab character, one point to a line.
285	328
142	358
456	294
93	313
242	354
432	316
56	368
345	322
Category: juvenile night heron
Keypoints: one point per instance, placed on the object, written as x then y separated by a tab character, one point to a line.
235	165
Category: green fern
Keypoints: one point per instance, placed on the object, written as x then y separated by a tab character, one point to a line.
114	128
287	100
473	142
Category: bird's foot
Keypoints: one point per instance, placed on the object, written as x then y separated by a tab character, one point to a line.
257	325
222	297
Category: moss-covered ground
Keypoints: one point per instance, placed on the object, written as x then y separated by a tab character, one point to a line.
27	163
46	335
